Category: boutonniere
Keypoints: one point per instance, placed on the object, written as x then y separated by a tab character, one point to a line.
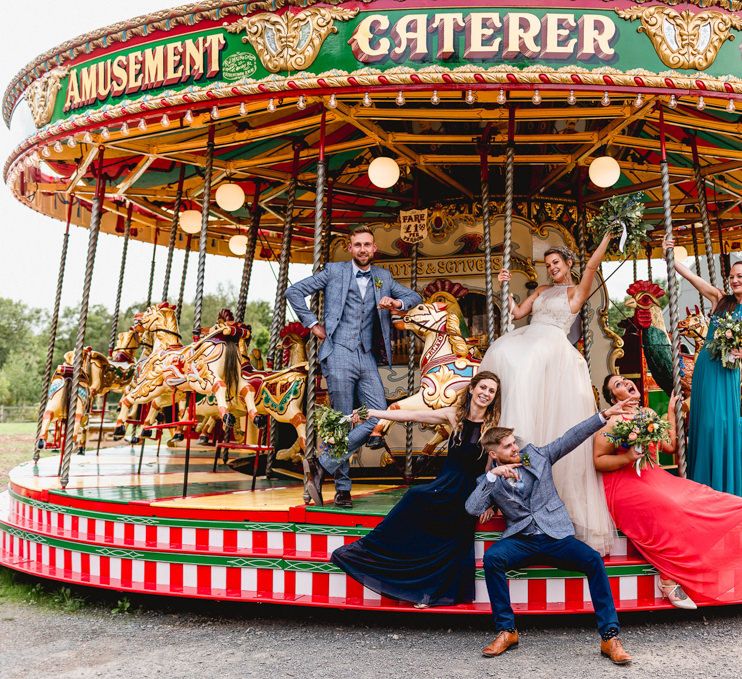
525	459
378	283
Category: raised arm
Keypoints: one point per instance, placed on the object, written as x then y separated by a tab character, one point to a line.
524	308
582	290
296	296
423	416
704	287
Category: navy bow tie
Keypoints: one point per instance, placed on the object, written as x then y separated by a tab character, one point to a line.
363	274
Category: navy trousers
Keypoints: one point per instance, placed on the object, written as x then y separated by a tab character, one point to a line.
568	553
352	379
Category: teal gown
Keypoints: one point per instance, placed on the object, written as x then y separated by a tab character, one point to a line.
715	429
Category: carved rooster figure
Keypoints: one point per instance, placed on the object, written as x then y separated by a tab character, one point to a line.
648	318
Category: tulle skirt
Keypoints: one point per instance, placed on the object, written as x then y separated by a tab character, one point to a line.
546	389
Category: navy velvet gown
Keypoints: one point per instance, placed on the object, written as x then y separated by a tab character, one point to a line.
423	551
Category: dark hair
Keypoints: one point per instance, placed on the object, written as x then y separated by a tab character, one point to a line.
727	303
492	437
563	251
357	230
607	395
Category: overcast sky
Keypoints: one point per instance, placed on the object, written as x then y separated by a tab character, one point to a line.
30	242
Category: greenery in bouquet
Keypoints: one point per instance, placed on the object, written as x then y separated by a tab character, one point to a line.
333	428
644	432
727	337
622	216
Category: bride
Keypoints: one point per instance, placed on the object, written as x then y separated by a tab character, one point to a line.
546	386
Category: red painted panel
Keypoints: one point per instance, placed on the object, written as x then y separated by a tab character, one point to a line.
176	538
150	536
203	579
85	567
265	581
259	541
318	545
320	586
105	570
176	577
128	533
150	575
234	581
537	593
126	578
230	540
573	592
202	539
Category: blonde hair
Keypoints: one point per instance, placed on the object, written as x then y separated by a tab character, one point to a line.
566	254
491	415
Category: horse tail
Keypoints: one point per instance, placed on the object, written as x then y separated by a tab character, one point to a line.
232	369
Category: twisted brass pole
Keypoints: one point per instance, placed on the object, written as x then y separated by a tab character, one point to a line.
585	310
174	224
487	233
507	245
705	221
53	329
120	289
95	217
697	259
183	277
672	281
252	241
152	265
409	431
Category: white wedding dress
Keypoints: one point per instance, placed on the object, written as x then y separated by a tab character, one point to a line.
546	389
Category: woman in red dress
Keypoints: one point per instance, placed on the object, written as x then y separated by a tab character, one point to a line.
691	533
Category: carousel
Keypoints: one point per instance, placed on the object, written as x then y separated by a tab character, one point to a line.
469	136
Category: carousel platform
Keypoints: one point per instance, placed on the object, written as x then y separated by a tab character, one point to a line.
116	529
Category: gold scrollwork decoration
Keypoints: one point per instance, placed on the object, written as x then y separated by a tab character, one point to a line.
41	95
684	39
290	42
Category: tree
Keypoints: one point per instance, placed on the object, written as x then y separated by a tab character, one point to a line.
17	324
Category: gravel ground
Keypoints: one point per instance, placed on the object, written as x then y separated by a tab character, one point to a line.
195	639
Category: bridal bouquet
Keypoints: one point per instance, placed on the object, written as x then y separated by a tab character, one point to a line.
727	336
644	432
333	428
622	215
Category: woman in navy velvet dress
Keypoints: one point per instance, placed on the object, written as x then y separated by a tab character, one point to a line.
423	551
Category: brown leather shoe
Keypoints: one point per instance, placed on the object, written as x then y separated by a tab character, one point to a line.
501	643
613	649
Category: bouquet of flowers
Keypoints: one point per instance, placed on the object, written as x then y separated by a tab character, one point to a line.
622	215
333	428
644	432
727	336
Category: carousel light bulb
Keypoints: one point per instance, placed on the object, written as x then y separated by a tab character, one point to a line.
606	100
673	101
471	97
536	98
46	152
125	129
400	100
501	97
243	109
701	104
731	107
190	221
88	138
332	102
105	133
188	117
604	171
271	105
301	102
165	121
383	172
434	98
215	112
571	98
681	253
230	197
142	125
238	244
639	100
71	142
58	146
367	100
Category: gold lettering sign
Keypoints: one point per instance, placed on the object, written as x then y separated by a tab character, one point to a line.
435	267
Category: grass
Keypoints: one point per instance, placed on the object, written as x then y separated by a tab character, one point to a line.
16	447
16	588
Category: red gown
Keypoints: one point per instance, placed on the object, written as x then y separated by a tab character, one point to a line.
688	531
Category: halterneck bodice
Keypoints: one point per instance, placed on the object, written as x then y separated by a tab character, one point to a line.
552	308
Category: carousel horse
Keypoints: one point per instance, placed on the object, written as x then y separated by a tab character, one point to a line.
694	327
280	394
114	374
446	365
58	398
208	366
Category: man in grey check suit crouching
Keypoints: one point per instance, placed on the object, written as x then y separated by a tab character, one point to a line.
356	335
539	530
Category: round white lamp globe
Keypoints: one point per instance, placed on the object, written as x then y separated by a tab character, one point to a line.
604	171
383	172
238	244
230	197
190	221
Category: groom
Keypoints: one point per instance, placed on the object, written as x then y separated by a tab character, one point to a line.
356	336
539	530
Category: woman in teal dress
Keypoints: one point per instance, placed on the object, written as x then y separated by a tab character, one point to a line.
715	428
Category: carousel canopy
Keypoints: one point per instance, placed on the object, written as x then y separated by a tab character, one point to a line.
434	89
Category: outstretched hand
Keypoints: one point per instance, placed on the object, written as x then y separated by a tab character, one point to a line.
625	407
507	471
